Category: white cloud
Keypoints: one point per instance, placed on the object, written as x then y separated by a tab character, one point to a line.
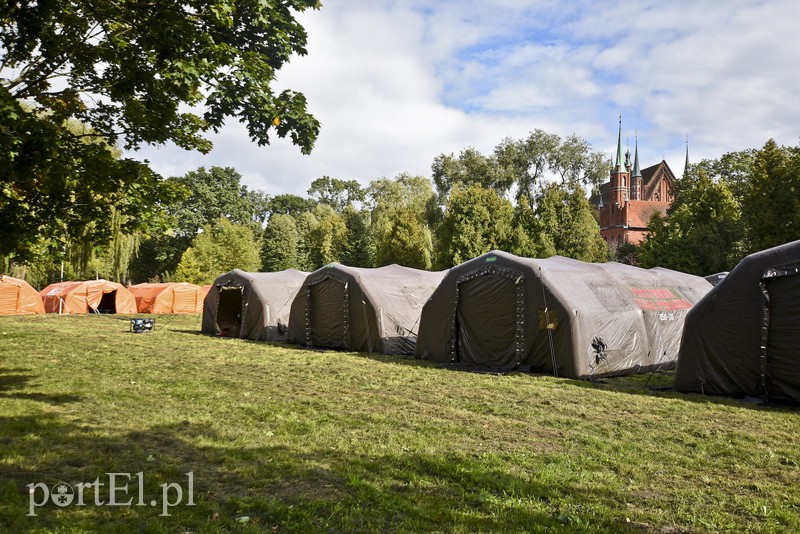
395	83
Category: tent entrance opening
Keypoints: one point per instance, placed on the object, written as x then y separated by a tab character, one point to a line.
486	322
108	303
329	312
229	311
783	351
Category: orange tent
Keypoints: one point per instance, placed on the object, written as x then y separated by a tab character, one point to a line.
168	298
100	296
17	297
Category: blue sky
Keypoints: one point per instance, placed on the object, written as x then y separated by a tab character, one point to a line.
395	83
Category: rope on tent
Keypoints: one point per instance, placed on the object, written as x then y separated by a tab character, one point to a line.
366	325
549	330
411	330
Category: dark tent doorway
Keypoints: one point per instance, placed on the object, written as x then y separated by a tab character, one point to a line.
783	333
108	303
329	314
229	311
487	321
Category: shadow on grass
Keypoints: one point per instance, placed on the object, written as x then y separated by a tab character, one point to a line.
12	380
659	384
274	487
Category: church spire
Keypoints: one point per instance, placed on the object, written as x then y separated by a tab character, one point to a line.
636	172
686	165
619	165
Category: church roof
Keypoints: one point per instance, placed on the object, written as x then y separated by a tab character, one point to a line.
640	211
649	174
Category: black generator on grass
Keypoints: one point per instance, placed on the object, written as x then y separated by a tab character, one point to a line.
141	325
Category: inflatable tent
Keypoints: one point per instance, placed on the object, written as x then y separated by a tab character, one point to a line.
743	338
17	297
251	305
558	316
168	298
360	309
99	296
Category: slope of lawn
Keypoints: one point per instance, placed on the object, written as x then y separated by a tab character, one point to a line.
283	439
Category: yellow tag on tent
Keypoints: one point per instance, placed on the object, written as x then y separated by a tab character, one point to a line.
548	320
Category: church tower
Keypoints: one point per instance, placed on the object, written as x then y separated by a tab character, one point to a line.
636	177
620	175
632	195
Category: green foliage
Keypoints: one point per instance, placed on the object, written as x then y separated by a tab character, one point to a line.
702	232
289	205
360	249
627	253
279	244
470	167
524	163
79	78
406	241
529	238
327	241
566	217
770	199
57	182
146	61
476	220
206	195
214	193
336	193
400	211
306	257
218	249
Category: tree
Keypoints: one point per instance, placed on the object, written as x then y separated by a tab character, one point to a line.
360	248
702	233
470	167
306	225
214	193
476	220
770	198
217	249
290	205
401	215
327	241
528	161
57	181
336	193
279	244
131	70
528	238
406	241
206	195
130	73
566	217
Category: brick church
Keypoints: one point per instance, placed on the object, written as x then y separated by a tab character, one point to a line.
630	198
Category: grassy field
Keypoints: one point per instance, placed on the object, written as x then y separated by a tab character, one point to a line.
283	439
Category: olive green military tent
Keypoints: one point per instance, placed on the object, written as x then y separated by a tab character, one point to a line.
368	310
557	315
743	337
251	305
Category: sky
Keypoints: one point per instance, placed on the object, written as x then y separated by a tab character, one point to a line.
397	82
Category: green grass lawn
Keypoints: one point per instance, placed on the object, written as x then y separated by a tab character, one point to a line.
283	439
